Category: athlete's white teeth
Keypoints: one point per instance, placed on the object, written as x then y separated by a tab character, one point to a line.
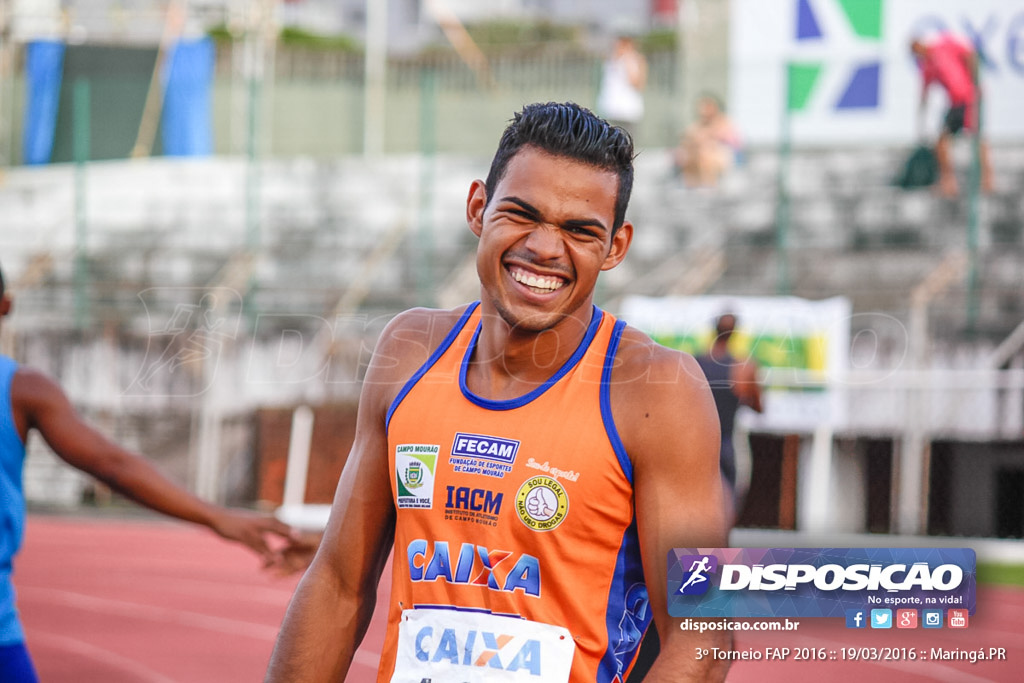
530	280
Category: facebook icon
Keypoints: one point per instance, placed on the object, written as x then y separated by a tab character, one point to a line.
856	618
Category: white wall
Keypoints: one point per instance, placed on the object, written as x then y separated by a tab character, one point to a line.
763	39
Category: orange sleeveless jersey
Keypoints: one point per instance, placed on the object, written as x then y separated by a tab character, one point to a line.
520	508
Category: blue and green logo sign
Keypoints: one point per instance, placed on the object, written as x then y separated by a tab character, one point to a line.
862	21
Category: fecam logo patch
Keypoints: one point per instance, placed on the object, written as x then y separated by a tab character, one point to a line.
490	456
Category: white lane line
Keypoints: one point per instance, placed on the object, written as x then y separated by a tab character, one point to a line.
163	615
367	658
203	588
140	671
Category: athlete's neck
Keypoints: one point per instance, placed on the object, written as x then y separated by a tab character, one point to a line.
508	362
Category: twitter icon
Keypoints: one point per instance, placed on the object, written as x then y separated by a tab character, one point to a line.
881	618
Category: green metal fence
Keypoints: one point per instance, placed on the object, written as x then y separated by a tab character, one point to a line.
313	104
316	102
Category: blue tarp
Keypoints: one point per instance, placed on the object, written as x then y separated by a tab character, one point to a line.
188	78
44	67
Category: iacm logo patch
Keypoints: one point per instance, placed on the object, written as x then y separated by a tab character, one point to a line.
467	504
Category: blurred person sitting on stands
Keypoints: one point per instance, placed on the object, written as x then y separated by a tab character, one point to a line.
709	147
952	64
31	400
620	99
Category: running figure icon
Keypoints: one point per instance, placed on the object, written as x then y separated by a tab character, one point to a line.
697	573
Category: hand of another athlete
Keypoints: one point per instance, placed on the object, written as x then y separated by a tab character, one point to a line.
296	555
251	529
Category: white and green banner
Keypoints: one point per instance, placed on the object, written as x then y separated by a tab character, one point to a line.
801	346
843	72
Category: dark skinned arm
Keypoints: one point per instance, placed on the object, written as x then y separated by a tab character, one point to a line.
39	403
667	419
333	603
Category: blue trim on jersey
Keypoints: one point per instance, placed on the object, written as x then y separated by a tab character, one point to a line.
629	614
438	352
595	322
474	610
16	665
12	504
629	611
606	402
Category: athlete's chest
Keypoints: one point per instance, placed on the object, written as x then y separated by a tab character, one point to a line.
538	463
480	465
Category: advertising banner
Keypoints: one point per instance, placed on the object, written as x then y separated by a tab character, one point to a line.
798	344
843	73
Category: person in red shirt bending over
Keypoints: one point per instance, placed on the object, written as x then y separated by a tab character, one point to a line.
952	63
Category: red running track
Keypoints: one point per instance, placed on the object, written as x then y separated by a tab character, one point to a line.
151	602
161	602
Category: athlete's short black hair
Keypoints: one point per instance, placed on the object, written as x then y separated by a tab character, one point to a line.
2	290
568	130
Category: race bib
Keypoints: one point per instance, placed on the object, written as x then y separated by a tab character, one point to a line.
451	646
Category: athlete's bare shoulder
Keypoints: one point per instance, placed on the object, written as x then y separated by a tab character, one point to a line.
33	391
642	362
657	391
407	342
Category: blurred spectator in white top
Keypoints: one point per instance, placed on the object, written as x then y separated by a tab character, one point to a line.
621	97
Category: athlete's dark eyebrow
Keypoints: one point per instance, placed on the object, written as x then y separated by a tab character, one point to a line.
525	206
572	223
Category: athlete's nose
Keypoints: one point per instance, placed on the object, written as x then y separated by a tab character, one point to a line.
545	242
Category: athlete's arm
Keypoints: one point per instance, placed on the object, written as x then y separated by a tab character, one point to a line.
922	98
746	385
972	62
333	603
39	402
666	417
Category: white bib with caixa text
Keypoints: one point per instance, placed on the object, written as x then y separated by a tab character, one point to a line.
457	646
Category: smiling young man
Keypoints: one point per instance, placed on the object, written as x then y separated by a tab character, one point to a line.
530	459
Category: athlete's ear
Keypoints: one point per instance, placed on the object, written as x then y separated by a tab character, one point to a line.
620	245
5	305
475	205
